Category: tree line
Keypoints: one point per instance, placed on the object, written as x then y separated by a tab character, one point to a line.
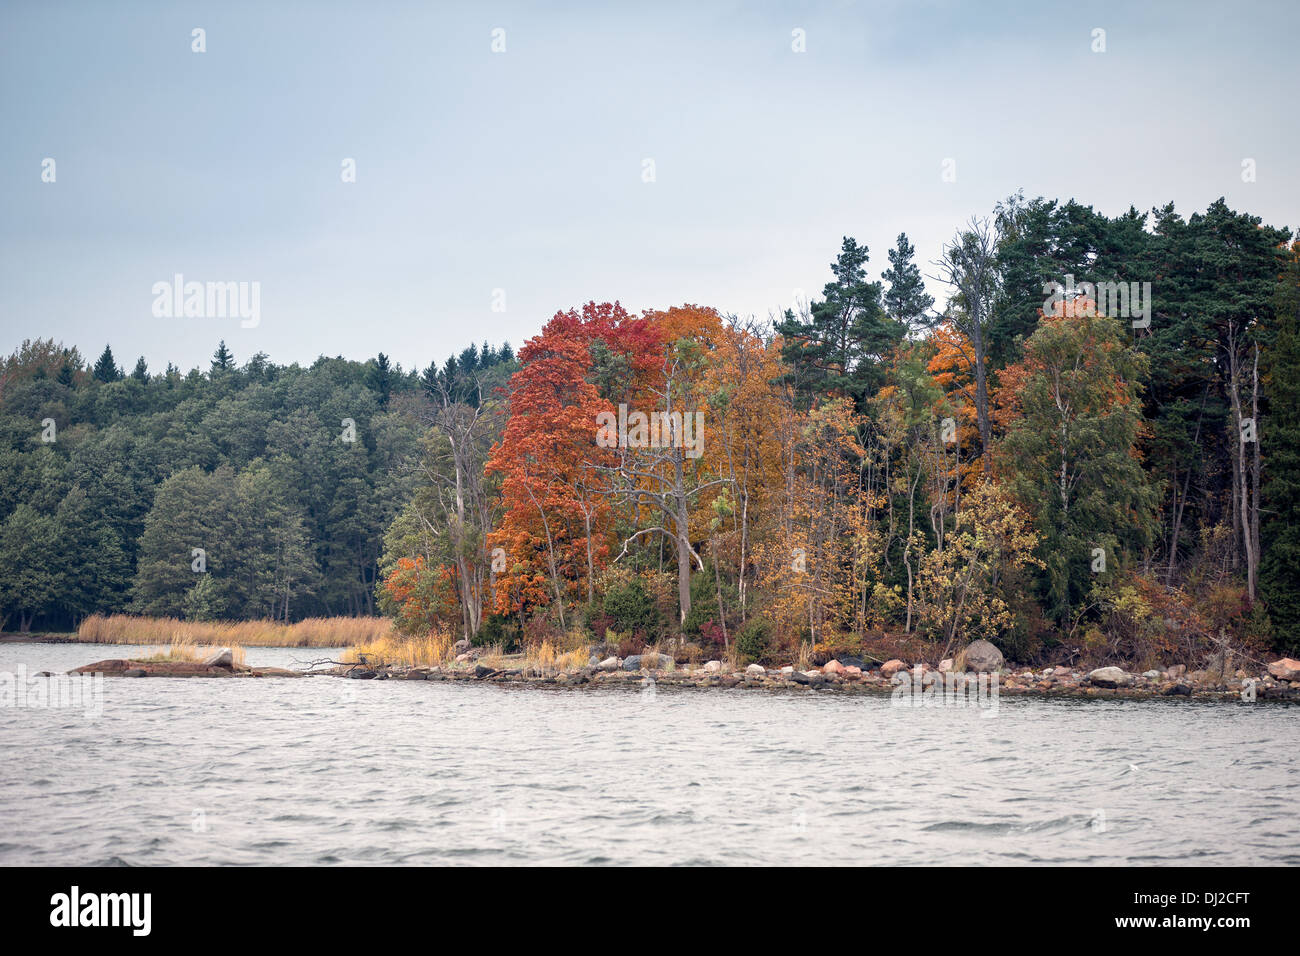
1085	473
1078	473
231	492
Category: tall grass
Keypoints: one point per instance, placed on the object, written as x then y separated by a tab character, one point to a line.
185	650
312	632
392	648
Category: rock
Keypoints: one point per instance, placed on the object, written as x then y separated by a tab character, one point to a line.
133	672
945	665
482	670
1286	669
1061	672
1108	677
982	657
651	662
1178	690
608	664
360	673
848	660
220	658
799	677
417	675
832	667
1151	675
1175	672
890	668
787	671
461	647
713	667
757	670
852	671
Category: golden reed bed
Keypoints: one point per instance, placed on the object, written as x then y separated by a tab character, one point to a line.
312	632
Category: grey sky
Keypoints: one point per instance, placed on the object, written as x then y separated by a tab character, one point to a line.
522	170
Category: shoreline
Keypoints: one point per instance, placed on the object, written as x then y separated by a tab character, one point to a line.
923	685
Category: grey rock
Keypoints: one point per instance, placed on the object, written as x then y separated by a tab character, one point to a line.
220	658
360	673
1108	677
983	658
133	672
608	664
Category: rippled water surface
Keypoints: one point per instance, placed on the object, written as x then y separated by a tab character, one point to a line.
330	771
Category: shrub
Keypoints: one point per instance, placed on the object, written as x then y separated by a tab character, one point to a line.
630	607
753	640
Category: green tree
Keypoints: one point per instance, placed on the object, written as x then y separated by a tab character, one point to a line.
106	369
1072	414
1280	435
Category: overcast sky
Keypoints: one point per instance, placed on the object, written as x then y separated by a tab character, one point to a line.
524	170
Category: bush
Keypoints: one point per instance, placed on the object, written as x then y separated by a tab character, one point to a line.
753	640
630	607
498	629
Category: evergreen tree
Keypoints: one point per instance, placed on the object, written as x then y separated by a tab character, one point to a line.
141	371
906	301
106	369
222	359
1280	438
842	346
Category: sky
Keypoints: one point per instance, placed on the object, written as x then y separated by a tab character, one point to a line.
494	187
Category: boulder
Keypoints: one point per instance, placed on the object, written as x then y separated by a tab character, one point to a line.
359	673
799	677
852	671
461	647
1286	669
1175	672
1178	690
713	667
848	660
832	667
133	672
890	668
608	664
653	662
982	657
945	665
1108	677
220	658
1151	675
756	670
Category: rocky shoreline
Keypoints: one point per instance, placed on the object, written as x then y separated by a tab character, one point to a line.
220	663
1280	680
837	676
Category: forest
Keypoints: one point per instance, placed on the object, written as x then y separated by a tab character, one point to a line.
1089	450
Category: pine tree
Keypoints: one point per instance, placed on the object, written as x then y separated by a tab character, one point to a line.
106	369
1280	439
141	372
843	345
222	359
906	302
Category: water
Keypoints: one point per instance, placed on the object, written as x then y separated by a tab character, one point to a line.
330	771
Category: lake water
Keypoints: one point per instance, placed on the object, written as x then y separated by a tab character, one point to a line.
331	771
